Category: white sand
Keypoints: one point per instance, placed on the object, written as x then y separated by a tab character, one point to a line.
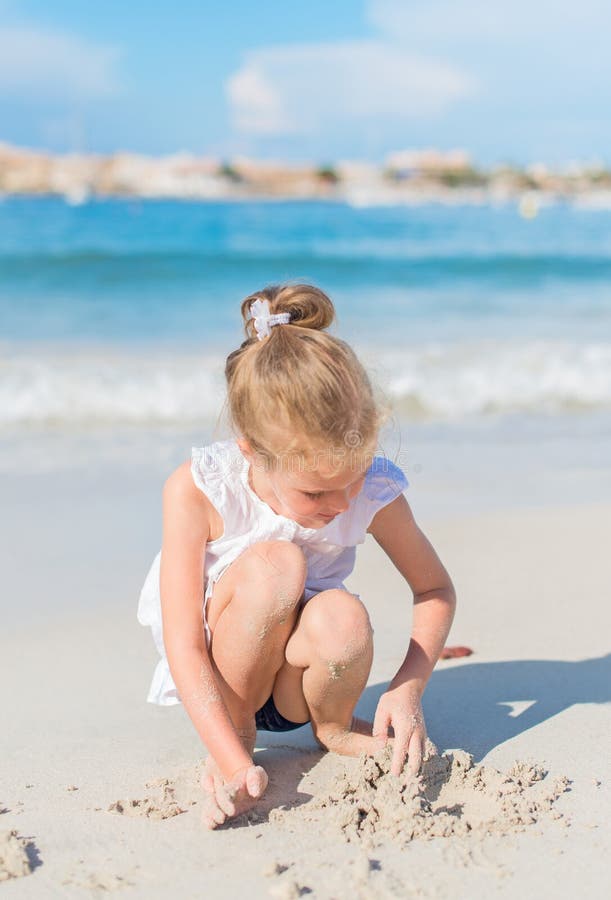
77	736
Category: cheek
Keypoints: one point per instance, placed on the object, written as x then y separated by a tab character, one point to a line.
295	500
305	504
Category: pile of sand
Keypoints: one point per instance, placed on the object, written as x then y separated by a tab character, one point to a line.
160	803
452	797
14	861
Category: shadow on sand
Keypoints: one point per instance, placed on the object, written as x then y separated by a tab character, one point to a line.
475	706
478	706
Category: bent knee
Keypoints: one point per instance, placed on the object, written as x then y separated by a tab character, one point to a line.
273	576
276	559
281	555
338	626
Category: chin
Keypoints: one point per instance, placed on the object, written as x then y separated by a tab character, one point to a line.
327	519
317	521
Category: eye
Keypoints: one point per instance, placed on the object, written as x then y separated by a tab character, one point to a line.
313	496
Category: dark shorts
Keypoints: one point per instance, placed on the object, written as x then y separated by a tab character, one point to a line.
269	719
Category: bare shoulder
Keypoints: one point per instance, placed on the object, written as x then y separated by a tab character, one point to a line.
186	507
180	489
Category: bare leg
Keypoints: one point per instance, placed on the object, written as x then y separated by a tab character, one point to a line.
333	645
251	613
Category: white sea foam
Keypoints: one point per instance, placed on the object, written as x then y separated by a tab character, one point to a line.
452	381
101	387
443	382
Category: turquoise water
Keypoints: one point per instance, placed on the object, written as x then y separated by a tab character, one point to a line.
123	311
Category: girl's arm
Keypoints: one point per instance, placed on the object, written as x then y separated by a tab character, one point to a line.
187	514
395	529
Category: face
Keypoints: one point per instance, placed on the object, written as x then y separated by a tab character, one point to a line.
312	493
313	499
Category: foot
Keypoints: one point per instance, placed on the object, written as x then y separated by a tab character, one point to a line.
228	798
353	741
361	726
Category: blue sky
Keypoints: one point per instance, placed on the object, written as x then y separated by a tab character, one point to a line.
514	81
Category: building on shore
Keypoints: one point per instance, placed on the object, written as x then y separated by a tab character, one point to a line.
404	177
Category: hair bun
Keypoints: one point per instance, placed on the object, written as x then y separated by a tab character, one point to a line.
309	307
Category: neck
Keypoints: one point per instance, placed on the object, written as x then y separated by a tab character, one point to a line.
260	485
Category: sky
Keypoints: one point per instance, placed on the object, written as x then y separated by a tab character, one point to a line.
514	81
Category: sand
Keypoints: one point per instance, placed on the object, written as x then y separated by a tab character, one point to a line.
14	859
452	798
166	797
365	803
100	790
453	801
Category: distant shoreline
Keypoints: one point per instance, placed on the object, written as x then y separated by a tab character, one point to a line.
407	178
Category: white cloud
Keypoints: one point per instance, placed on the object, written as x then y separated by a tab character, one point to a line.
257	105
44	63
311	88
446	22
437	19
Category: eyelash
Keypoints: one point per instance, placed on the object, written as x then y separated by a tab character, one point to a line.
313	496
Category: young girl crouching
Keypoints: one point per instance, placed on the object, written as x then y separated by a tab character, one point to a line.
247	601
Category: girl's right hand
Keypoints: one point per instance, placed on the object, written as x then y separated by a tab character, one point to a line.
226	799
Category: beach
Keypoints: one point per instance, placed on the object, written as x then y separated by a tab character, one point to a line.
487	336
533	605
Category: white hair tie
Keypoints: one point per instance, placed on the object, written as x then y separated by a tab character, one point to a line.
264	320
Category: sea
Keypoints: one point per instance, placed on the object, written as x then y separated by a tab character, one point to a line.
481	328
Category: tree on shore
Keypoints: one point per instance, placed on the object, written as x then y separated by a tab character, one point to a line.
327	174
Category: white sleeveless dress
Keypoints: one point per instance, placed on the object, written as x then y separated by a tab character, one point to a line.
221	471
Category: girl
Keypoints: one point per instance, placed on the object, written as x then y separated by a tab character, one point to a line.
246	600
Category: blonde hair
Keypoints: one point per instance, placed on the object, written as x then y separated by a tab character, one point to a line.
299	380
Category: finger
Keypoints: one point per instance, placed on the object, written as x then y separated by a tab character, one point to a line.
207	783
398	756
223	798
208	823
381	722
212	815
256	781
399	744
416	746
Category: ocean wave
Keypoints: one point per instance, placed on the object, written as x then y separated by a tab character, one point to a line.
64	388
103	387
449	382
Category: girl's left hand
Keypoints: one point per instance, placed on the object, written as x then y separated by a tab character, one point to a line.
400	708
